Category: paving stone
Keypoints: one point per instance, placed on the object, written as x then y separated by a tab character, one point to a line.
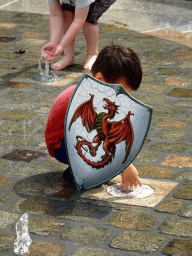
31	42
171	123
151	99
83	214
48	184
7	25
40	133
152	88
87	251
185	192
54	163
17	116
43	110
166	112
86	234
41	146
19	95
148	79
34	206
42	248
183	57
7	218
4	47
180	161
32	34
3	164
172	135
147	68
18	106
12	66
78	213
113	28
189	117
162	189
177	81
189	74
186	212
170	147
158	55
6	241
137	241
154	171
9	127
178	247
41	121
2	149
146	157
17	141
186	65
9	55
132	220
4	180
176	227
44	227
184	177
185	103
181	92
168	71
170	206
5	198
29	170
16	85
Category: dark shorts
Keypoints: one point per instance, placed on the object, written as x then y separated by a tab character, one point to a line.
60	153
96	9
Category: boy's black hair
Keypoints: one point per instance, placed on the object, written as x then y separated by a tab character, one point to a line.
116	62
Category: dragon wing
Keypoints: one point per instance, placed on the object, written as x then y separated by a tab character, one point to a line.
120	131
87	113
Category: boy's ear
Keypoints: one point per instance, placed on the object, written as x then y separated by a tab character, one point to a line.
100	76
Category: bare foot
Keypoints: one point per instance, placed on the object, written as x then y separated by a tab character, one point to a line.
63	63
89	62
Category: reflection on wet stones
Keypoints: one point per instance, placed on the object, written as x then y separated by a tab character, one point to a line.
45	185
23	155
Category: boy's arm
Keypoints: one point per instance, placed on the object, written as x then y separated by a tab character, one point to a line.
76	25
130	177
55	24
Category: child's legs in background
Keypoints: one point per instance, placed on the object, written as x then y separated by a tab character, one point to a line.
91	33
68	58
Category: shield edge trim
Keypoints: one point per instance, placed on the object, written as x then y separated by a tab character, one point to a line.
119	90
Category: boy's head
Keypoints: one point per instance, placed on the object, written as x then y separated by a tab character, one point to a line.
118	63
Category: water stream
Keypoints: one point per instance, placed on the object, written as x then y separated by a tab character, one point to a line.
45	75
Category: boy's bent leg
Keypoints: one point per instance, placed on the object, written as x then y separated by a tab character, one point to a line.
68	59
61	155
91	33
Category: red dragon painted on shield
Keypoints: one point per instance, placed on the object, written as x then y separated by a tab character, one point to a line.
111	133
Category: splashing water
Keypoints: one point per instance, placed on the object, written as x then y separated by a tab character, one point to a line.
23	240
44	76
117	191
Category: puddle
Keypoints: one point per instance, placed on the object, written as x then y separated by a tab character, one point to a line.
117	191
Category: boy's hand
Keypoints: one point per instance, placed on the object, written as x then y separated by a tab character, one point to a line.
49	50
130	178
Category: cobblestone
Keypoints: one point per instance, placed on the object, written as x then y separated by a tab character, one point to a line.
62	221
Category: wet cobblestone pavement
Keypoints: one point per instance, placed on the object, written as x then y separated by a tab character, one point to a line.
61	221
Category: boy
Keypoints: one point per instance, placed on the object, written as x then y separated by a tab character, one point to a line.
114	65
66	20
